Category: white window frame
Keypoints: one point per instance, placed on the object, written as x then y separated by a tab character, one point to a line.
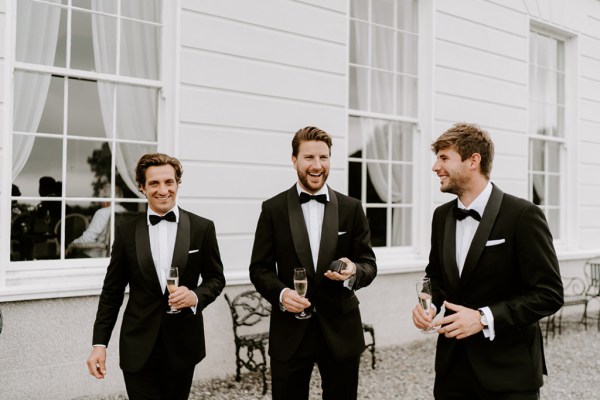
26	280
567	237
412	258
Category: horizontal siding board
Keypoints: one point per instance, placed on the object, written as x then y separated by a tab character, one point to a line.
480	37
590	45
588	153
235	253
234	146
590	67
230	218
477	87
589	132
589	174
590	89
481	62
452	108
504	18
516	5
336	5
228	37
589	217
589	110
230	73
226	109
588	238
509	167
287	16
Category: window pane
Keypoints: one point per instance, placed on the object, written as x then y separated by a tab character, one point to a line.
32	231
402	141
383	12
147	10
539	188
45	159
137	109
406	96
408	15
547	52
401	226
546	86
358	88
41	33
82	47
107	6
407	61
553	216
140	50
356	125
382	46
536	155
359	44
402	176
359	9
553	157
377	218
355	180
105	52
82	170
378	140
29	87
553	190
382	92
377	182
85	116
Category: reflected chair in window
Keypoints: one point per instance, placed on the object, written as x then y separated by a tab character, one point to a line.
250	312
75	224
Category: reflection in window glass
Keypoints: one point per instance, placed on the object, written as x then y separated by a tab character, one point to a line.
84	117
45	159
84	171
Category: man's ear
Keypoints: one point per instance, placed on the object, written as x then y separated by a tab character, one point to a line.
475	160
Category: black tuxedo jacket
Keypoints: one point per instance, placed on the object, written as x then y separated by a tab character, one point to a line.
145	320
510	267
282	244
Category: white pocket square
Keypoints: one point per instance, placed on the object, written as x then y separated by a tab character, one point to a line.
341	233
193	251
494	242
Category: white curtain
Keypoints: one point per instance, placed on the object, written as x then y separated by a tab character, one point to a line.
136	107
37	35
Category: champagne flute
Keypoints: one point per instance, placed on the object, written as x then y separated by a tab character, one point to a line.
424	295
172	284
301	285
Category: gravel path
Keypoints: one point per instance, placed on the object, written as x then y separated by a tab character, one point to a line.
406	372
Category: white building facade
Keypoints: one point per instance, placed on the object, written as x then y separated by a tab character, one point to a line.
88	86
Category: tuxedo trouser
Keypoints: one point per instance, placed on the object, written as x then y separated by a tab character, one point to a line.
156	380
291	379
461	383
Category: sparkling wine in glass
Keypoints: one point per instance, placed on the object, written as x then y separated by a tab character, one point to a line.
424	295
301	285
172	284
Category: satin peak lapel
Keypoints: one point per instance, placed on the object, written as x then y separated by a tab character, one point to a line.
144	255
482	233
329	235
449	248
182	242
299	231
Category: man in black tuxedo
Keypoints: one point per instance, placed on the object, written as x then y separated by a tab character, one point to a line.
158	351
309	226
494	268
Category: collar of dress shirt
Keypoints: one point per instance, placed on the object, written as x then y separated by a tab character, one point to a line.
323	190
151	212
480	201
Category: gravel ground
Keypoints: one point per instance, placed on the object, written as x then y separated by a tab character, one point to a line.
406	372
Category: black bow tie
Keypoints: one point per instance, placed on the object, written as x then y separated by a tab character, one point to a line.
305	197
462	213
170	216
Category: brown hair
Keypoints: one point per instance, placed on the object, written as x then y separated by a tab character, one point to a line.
155	160
468	139
310	133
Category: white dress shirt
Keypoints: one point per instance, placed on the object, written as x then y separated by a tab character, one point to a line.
465	231
313	216
162	244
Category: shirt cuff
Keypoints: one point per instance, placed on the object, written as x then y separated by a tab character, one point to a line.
195	303
489	332
281	307
99	345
